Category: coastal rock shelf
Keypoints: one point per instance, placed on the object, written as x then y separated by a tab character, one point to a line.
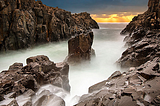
28	22
26	80
147	48
137	87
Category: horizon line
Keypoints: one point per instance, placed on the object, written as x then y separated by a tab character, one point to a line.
113	22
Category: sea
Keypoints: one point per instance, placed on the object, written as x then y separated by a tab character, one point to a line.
108	45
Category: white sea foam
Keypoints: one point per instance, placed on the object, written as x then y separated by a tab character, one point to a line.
108	45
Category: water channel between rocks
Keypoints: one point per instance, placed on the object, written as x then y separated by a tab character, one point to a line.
108	45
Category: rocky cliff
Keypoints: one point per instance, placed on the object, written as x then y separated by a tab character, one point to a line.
144	37
26	80
149	20
139	85
28	22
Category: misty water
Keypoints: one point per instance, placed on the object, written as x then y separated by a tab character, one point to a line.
108	45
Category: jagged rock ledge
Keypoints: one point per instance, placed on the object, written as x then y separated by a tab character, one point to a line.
144	37
26	80
139	85
25	23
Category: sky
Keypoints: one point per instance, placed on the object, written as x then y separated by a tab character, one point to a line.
103	10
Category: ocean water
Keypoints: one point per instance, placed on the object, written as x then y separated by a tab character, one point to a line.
108	45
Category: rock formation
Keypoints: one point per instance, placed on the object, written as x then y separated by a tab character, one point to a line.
144	37
28	22
19	79
138	86
79	47
150	20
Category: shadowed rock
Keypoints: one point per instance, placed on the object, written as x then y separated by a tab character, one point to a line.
27	79
135	87
80	48
25	23
142	37
139	86
47	98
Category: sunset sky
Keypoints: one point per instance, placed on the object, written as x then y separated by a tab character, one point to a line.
103	10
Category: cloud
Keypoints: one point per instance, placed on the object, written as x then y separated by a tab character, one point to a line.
99	6
103	10
121	17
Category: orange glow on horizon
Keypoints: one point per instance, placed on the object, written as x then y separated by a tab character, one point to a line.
123	17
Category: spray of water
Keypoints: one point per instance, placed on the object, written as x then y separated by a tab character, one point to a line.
108	45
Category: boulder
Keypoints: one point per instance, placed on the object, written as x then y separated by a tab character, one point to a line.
134	87
47	98
16	66
80	48
102	84
9	102
21	82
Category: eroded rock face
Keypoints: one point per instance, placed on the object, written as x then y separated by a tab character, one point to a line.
146	21
27	79
27	22
138	86
145	49
80	48
144	37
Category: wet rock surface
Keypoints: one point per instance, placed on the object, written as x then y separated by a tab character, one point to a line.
138	87
49	95
80	48
25	23
24	81
47	98
143	37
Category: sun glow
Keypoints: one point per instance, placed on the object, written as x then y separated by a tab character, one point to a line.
122	17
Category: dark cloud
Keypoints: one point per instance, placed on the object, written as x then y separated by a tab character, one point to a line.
99	6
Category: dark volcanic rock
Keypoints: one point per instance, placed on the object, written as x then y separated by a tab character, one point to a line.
28	79
143	39
80	47
28	22
136	87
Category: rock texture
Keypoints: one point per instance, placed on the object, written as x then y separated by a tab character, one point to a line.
28	22
19	79
144	37
50	96
80	48
137	87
